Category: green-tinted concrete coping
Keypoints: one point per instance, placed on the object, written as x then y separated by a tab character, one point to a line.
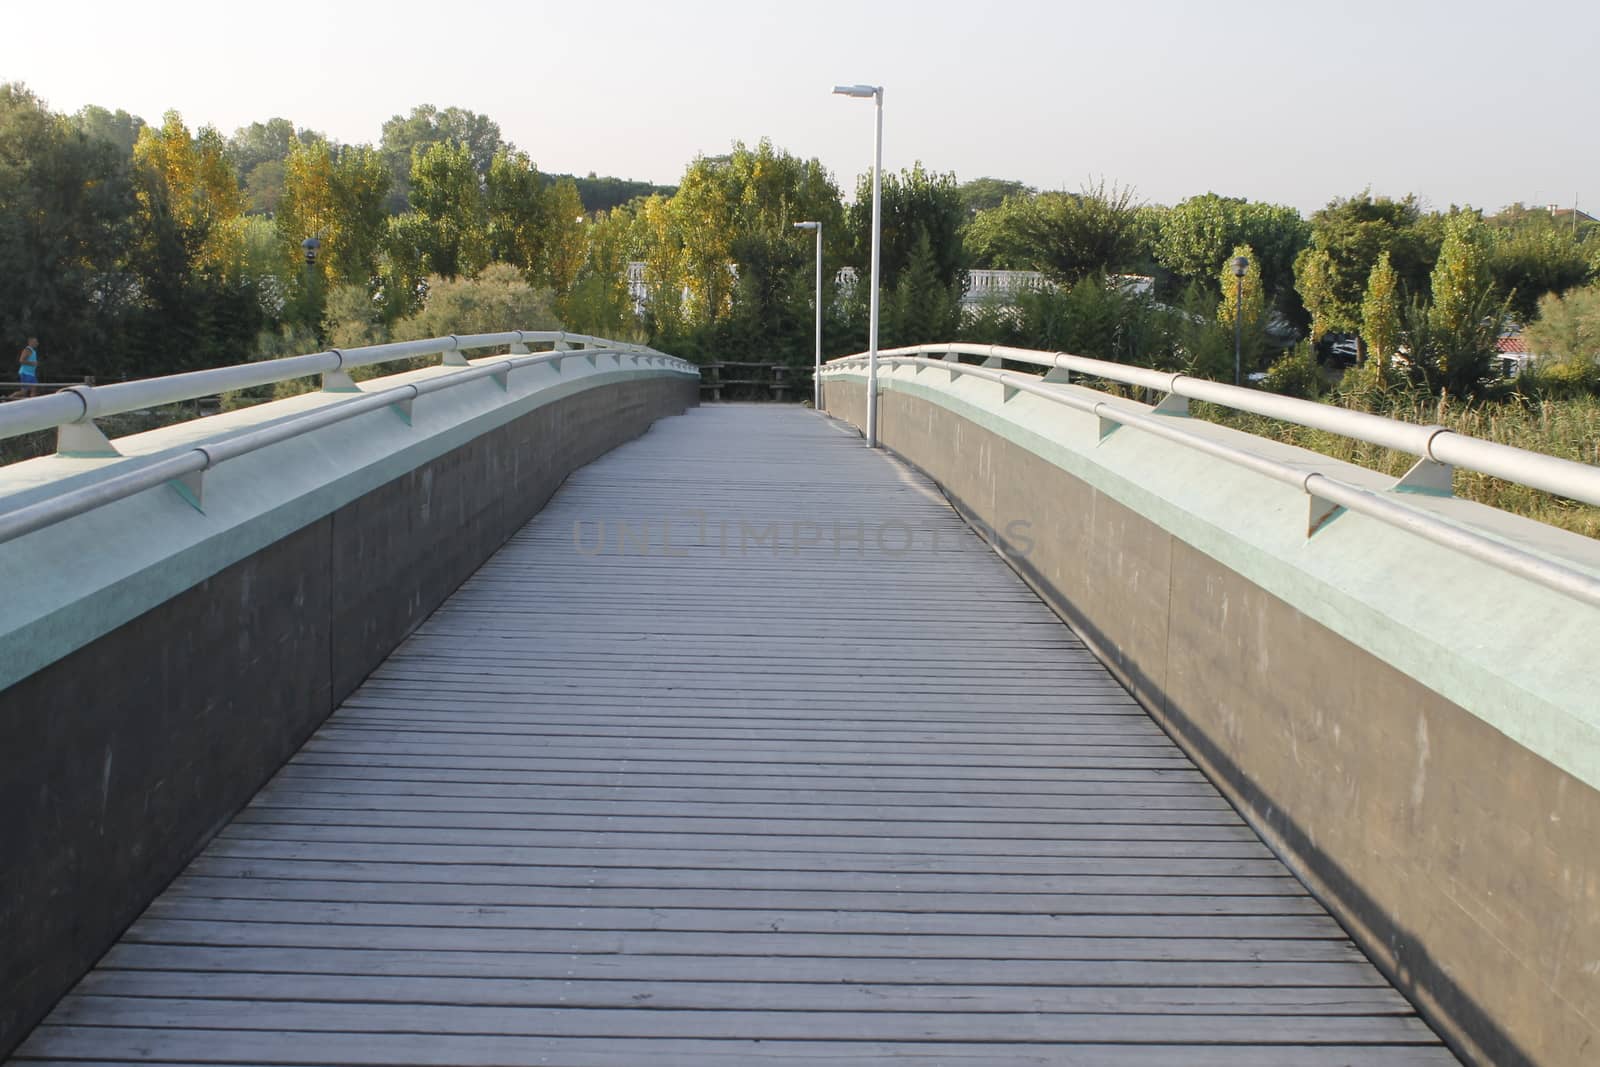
1517	654
66	585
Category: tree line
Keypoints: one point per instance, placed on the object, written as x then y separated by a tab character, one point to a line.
138	249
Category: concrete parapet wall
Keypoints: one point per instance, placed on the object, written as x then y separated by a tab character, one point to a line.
1417	734
162	663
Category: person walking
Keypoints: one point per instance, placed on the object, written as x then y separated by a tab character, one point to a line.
28	367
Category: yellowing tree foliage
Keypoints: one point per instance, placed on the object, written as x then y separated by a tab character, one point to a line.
191	178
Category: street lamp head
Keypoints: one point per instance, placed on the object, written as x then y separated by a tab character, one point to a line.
1240	265
808	225
857	90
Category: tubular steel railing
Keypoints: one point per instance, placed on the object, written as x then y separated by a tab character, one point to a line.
185	469
80	404
1439	449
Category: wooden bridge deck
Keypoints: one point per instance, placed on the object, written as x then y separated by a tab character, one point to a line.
733	801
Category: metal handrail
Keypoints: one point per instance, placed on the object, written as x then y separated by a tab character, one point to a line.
200	458
1563	477
1335	492
84	403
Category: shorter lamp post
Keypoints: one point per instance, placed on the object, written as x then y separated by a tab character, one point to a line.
310	246
1240	265
816	371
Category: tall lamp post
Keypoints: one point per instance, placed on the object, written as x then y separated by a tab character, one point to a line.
816	372
1240	265
876	93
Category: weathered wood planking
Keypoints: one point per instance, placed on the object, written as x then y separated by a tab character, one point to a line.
744	751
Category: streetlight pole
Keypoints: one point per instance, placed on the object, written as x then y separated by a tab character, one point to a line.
1240	265
816	372
876	93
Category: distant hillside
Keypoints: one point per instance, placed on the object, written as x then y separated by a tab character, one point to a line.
603	194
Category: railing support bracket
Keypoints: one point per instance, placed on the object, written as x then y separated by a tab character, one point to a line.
1322	511
1427	476
83	440
192	487
1171	404
337	381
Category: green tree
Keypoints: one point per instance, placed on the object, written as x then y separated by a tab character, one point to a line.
1351	234
1067	236
726	238
514	209
118	127
1568	327
599	302
499	298
666	270
986	194
261	142
260	152
1315	282
1461	273
922	308
448	204
1194	237
404	136
1466	316
263	189
564	245
196	306
338	199
354	318
914	203
1530	261
1380	319
67	218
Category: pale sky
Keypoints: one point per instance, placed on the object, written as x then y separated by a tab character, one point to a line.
1460	102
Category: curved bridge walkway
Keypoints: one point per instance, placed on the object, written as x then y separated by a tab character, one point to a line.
786	767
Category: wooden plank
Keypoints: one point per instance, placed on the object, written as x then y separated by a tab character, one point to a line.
954	947
256	1048
736	804
757	970
468	1019
707	877
736	995
746	920
673	851
318	889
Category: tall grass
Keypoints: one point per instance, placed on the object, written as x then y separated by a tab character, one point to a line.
1568	428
